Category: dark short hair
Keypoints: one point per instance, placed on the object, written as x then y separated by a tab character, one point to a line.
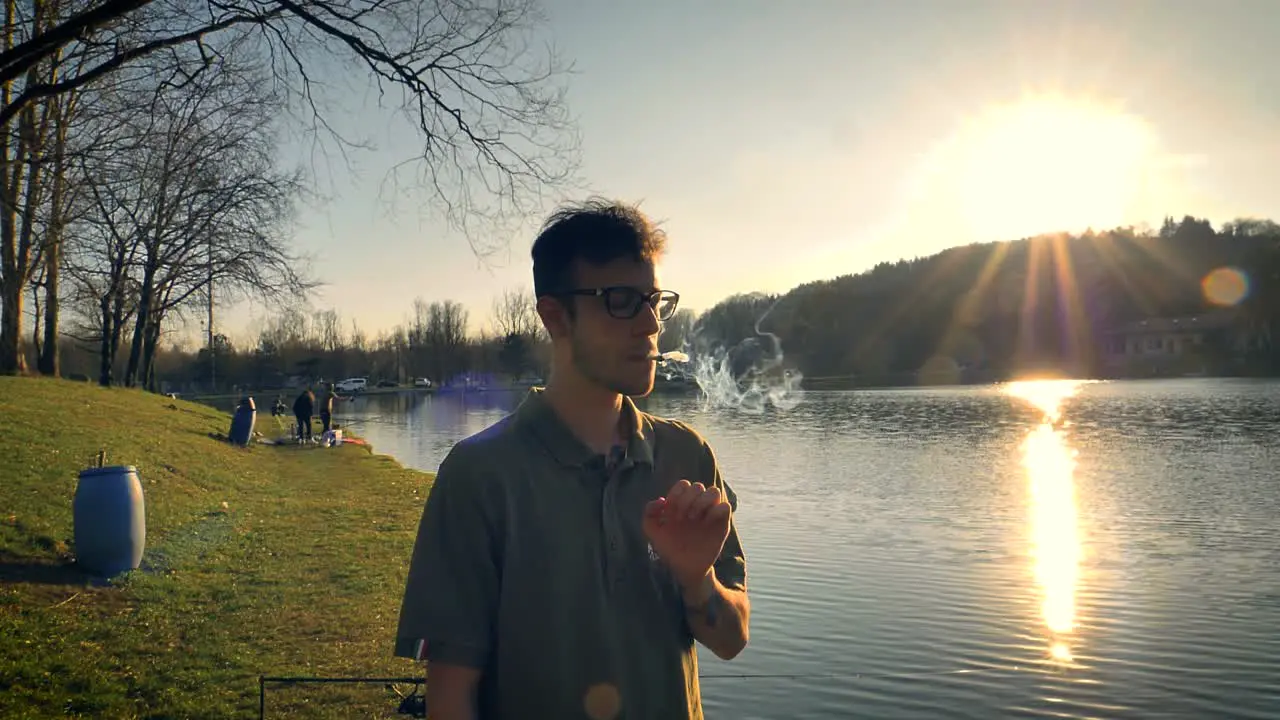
596	231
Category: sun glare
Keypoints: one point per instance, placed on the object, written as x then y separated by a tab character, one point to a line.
1056	544
1049	164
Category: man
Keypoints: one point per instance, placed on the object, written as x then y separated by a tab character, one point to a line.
326	406
303	407
570	555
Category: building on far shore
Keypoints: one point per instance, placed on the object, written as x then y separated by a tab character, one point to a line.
1204	344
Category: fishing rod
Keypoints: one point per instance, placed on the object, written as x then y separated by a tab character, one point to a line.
857	675
414	703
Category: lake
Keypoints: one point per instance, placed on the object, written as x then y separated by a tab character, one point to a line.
1103	550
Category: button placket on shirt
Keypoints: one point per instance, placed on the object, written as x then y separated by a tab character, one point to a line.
612	527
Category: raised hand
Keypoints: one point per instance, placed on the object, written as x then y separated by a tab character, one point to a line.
687	529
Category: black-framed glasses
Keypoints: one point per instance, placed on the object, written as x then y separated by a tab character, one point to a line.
624	303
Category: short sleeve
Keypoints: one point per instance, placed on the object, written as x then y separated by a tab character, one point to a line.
731	566
451	593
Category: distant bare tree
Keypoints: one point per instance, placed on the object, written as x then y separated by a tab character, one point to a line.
519	331
447	337
359	341
514	313
436	336
329	325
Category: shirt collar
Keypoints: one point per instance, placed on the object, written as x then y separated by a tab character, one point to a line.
536	416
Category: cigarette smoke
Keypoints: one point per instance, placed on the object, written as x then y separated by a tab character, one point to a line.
749	375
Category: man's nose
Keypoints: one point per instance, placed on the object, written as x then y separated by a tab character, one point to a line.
647	322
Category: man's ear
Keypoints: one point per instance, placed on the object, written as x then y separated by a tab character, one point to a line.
555	316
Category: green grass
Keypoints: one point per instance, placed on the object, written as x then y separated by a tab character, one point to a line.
299	573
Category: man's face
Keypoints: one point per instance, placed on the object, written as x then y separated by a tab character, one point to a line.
612	350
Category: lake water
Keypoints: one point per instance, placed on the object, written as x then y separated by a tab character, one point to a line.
929	553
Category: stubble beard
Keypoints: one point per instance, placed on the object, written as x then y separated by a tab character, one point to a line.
589	363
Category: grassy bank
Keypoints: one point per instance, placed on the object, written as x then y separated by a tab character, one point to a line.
275	560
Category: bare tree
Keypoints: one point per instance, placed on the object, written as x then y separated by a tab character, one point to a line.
445	338
191	190
359	340
61	199
329	325
519	331
483	97
514	313
23	140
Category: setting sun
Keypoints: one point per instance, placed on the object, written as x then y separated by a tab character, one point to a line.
1049	164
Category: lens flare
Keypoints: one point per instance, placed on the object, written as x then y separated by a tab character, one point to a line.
1225	286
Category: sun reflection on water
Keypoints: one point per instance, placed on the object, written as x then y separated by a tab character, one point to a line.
1050	467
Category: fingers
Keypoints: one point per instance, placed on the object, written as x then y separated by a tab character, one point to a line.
704	502
687	501
680	497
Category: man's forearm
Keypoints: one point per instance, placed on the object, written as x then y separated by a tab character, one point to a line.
719	617
451	692
460	710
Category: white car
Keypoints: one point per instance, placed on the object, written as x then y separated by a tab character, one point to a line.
351	385
422	382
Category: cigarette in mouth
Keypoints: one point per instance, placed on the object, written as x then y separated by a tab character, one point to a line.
670	356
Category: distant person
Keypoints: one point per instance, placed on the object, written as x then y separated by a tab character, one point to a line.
326	406
570	555
303	409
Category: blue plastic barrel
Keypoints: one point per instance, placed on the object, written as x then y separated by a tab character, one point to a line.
242	422
110	520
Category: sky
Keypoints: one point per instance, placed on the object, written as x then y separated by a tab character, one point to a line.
781	143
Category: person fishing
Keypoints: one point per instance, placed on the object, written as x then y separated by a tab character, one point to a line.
326	407
303	408
571	555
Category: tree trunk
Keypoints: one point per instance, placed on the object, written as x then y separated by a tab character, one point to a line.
117	326
141	321
105	347
12	360
149	355
16	240
37	337
10	288
49	362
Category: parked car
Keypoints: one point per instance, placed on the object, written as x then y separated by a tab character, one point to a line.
387	383
352	385
422	382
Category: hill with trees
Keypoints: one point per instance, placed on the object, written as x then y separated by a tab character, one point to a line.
1053	303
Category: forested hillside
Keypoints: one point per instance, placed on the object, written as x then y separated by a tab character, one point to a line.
1046	303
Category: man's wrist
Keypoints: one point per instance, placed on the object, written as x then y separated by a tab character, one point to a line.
697	593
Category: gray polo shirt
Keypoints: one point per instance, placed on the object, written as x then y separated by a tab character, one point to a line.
531	564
